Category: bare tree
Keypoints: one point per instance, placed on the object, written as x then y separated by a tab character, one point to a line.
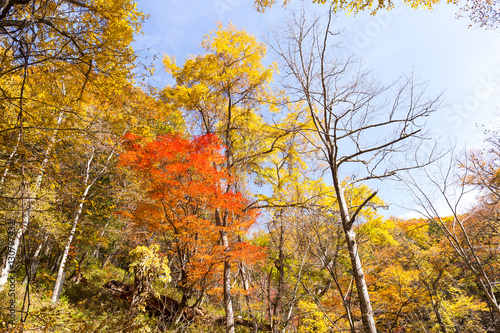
472	231
361	129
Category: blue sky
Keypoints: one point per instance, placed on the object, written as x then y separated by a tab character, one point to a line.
462	62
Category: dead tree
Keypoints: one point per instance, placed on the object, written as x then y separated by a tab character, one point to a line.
362	130
472	232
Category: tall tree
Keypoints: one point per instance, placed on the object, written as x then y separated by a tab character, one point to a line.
186	185
223	92
356	127
89	180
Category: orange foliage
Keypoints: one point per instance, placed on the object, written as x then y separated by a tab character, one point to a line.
186	183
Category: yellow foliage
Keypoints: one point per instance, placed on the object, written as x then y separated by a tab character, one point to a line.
355	6
147	263
314	320
226	91
380	231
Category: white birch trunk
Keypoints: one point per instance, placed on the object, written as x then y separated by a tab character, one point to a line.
56	292
26	214
60	273
9	161
227	288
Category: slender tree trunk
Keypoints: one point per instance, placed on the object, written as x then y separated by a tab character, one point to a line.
56	292
359	278
60	273
352	246
12	251
246	286
269	299
298	278
9	161
96	251
53	268
227	287
331	266
26	215
276	313
36	257
439	318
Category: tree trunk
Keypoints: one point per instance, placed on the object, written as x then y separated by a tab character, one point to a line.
276	313
359	277
60	273
9	161
227	288
246	287
56	261
29	202
12	250
228	304
96	251
439	318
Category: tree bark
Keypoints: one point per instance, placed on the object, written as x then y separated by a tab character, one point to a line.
359	277
29	202
60	276
60	273
227	288
246	287
276	313
9	161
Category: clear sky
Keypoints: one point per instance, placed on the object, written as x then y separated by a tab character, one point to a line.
462	62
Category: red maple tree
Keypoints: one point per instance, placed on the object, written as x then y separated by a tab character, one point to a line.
186	186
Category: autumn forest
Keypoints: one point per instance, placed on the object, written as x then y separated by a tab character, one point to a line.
241	197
